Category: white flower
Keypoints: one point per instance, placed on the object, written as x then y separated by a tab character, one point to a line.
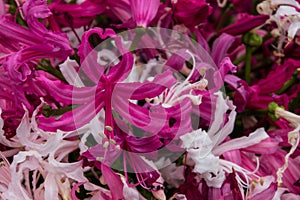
205	148
285	14
293	138
184	89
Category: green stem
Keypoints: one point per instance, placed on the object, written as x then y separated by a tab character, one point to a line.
48	111
286	86
256	112
46	66
239	59
289	83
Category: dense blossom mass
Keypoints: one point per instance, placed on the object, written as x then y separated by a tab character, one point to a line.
149	99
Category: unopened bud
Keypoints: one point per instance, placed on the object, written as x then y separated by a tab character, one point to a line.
252	39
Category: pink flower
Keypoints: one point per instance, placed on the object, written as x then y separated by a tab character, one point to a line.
28	45
5	175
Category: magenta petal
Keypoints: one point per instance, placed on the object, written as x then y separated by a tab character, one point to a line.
141	117
98	151
15	32
278	76
33	10
242	94
225	67
88	55
191	12
77	15
36	9
113	181
73	119
221	46
143	11
267	146
121	9
138	91
266	194
134	144
69	94
73	191
244	25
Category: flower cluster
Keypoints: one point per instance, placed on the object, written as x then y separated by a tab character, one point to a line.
149	99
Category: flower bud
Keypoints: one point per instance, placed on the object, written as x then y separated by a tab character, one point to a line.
252	39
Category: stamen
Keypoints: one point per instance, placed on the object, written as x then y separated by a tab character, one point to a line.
2	164
112	141
102	181
109	128
105	145
102	135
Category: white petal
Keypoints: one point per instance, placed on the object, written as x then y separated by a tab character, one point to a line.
221	108
196	139
68	70
210	163
215	180
242	142
278	193
51	187
226	130
293	29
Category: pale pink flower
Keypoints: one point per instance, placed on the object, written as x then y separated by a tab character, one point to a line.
172	174
5	177
45	154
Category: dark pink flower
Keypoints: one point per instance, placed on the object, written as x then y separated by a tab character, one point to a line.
191	12
29	45
77	15
245	24
143	11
